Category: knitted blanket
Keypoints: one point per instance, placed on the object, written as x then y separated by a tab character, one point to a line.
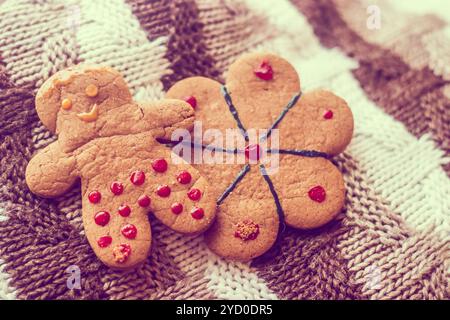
390	242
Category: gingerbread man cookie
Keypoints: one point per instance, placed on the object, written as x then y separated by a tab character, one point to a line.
307	191
109	142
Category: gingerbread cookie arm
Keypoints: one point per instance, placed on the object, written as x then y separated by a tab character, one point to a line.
51	172
165	116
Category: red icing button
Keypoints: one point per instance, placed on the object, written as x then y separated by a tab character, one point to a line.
124	210
104	241
246	230
144	201
116	188
197	213
159	165
137	178
121	252
194	194
94	196
192	101
129	231
176	208
101	218
264	71
184	177
317	194
253	152
328	115
163	191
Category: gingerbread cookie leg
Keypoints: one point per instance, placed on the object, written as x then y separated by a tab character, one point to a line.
116	223
182	199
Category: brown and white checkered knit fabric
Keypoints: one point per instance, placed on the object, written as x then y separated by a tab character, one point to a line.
390	242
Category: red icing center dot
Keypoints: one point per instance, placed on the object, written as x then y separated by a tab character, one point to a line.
116	188
328	114
104	241
317	194
121	252
184	177
137	178
163	191
192	101
124	210
176	208
264	71
102	218
159	165
194	194
144	201
129	231
253	152
246	230
197	213
94	196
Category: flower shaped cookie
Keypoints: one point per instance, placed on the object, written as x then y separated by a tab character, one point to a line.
263	91
109	142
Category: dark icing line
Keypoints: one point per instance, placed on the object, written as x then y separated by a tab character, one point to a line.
233	185
233	111
280	211
200	145
286	109
303	153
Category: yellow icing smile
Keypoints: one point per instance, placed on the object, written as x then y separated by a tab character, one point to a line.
89	116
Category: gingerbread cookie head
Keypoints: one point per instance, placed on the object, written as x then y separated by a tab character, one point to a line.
86	102
109	142
262	91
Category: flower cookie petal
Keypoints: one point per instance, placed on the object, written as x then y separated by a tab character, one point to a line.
313	184
260	99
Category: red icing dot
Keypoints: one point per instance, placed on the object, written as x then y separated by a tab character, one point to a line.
328	114
197	213
124	210
253	152
121	252
137	178
144	201
163	191
317	194
102	218
176	208
191	100
264	71
94	196
104	241
129	231
159	165
194	194
184	177
246	230
116	188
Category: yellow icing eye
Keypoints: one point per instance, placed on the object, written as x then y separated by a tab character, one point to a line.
66	104
91	90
